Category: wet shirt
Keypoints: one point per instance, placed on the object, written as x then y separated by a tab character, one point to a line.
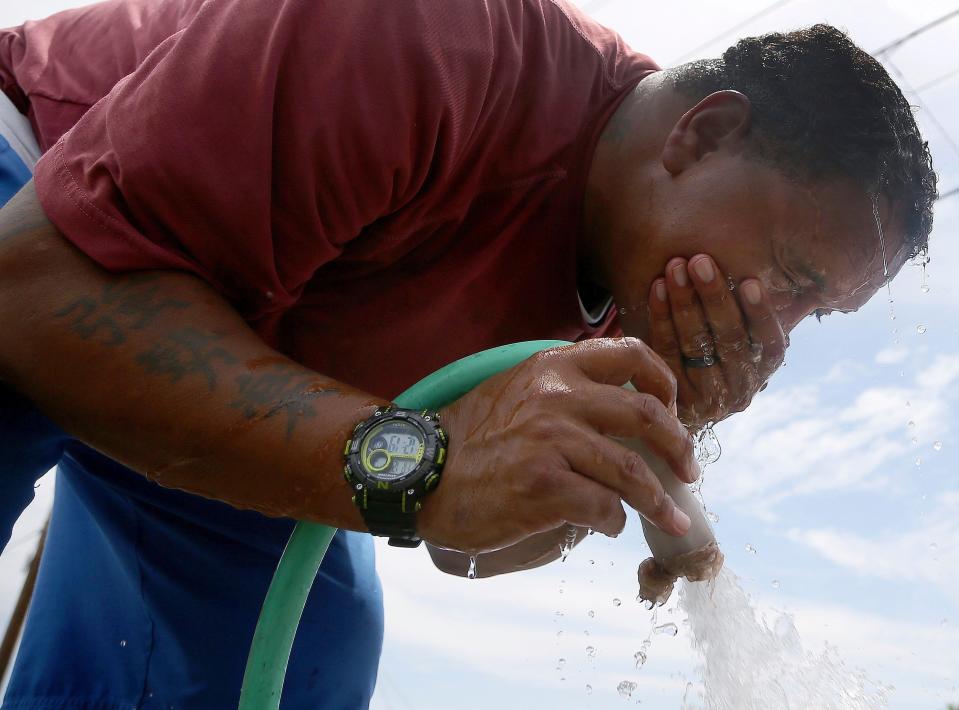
379	188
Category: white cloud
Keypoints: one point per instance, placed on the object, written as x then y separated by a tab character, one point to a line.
800	440
891	356
926	553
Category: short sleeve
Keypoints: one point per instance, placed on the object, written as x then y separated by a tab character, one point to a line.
251	146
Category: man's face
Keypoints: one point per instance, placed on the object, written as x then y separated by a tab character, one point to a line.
815	249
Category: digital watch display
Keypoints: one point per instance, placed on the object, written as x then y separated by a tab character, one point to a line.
393	460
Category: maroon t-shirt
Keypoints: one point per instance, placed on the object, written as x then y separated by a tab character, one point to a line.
378	186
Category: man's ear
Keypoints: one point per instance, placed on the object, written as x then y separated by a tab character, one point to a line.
720	120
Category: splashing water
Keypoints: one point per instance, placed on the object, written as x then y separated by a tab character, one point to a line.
882	243
626	688
568	543
749	666
706	446
471	572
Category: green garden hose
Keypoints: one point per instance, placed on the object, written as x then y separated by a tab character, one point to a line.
286	597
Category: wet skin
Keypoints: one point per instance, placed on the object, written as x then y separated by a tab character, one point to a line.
675	192
530	452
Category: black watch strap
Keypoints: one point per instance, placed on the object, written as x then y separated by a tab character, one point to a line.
383	517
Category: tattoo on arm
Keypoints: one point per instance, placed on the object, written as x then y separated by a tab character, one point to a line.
186	351
280	389
130	304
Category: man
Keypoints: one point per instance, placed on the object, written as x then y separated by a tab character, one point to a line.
282	214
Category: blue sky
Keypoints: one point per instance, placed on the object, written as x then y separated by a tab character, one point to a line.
820	475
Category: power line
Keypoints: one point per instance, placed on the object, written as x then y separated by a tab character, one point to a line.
953	191
938	80
722	35
896	43
924	106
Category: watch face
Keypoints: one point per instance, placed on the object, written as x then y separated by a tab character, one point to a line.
392	450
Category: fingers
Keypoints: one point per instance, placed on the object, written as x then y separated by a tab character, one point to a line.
663	339
764	327
616	411
619	360
737	366
624	471
696	341
565	497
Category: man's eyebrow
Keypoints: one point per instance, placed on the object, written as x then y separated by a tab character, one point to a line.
809	271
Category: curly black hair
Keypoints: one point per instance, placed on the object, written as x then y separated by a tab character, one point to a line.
824	108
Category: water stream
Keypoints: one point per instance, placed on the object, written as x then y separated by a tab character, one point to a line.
747	664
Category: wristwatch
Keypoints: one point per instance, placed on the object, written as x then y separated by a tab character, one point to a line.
394	460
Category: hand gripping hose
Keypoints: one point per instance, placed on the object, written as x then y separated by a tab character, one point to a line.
286	597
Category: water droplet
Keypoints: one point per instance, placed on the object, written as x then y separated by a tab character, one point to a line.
559	633
911	424
123	642
622	310
669	629
592	562
589	689
559	613
750	549
918	461
775	584
944	622
706	447
712	517
920	329
933	546
617	602
591	613
610	563
937	445
648	604
640	658
591	652
626	688
471	572
560	663
924	288
915	440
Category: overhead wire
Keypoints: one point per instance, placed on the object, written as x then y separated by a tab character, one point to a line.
938	80
882	54
909	36
722	35
950	193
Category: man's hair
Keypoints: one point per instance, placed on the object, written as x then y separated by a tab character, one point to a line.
823	108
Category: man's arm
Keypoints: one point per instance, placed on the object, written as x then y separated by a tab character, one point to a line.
157	371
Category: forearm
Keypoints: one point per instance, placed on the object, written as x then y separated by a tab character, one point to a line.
157	371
